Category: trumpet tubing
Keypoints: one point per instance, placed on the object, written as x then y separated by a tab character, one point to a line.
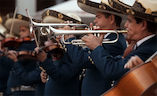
51	24
56	24
48	28
77	32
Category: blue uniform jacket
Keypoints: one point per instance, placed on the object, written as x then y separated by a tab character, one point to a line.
113	67
94	83
5	67
28	75
118	47
25	72
63	75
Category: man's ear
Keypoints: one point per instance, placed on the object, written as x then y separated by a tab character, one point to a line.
112	19
143	25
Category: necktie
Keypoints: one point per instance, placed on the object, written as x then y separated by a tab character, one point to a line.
129	48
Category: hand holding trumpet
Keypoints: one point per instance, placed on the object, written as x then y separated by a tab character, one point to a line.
92	41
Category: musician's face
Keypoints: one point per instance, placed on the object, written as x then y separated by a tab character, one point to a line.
24	32
134	29
101	21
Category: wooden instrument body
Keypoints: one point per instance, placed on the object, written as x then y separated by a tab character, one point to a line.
139	81
14	42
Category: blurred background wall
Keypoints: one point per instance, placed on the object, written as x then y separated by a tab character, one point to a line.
37	7
7	6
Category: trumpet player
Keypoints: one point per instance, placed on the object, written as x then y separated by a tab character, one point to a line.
63	76
94	82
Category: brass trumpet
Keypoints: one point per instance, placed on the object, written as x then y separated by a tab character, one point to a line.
56	24
47	26
51	30
84	32
75	32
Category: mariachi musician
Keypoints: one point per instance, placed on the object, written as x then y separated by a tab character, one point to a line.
141	26
62	80
24	77
94	82
5	64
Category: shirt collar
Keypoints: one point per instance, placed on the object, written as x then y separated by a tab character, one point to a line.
144	39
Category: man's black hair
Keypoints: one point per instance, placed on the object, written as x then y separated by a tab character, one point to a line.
151	26
118	19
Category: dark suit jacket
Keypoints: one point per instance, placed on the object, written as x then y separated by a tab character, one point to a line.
112	68
25	72
94	83
5	67
63	75
67	71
